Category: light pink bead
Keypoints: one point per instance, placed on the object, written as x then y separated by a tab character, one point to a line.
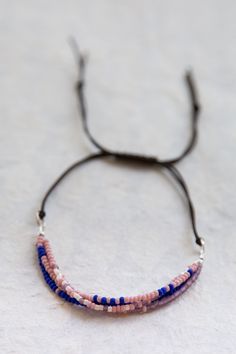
92	306
122	308
155	294
144	309
126	308
118	308
132	307
144	298
68	289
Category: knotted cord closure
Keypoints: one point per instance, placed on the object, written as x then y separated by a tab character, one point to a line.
104	152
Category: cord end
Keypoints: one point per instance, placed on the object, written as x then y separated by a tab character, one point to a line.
189	77
41	215
80	58
40	221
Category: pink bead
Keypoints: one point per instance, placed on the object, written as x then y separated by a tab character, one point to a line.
92	306
68	289
144	298
122	308
127	307
144	309
132	307
155	294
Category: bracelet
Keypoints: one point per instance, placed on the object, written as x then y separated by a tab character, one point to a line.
125	304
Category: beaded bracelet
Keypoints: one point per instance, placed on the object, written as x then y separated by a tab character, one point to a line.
140	303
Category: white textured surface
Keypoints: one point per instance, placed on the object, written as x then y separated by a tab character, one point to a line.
117	230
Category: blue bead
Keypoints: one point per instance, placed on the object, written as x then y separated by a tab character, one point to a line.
190	271
122	300
113	301
103	301
171	286
95	299
164	291
41	251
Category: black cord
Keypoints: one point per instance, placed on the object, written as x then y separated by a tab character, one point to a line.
168	164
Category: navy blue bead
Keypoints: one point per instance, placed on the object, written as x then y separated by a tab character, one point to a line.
122	300
113	301
190	272
160	292
95	299
63	294
41	251
171	286
103	301
164	291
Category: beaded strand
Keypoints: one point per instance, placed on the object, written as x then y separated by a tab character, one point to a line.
140	303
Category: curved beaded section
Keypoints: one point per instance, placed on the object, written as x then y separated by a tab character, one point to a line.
141	303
